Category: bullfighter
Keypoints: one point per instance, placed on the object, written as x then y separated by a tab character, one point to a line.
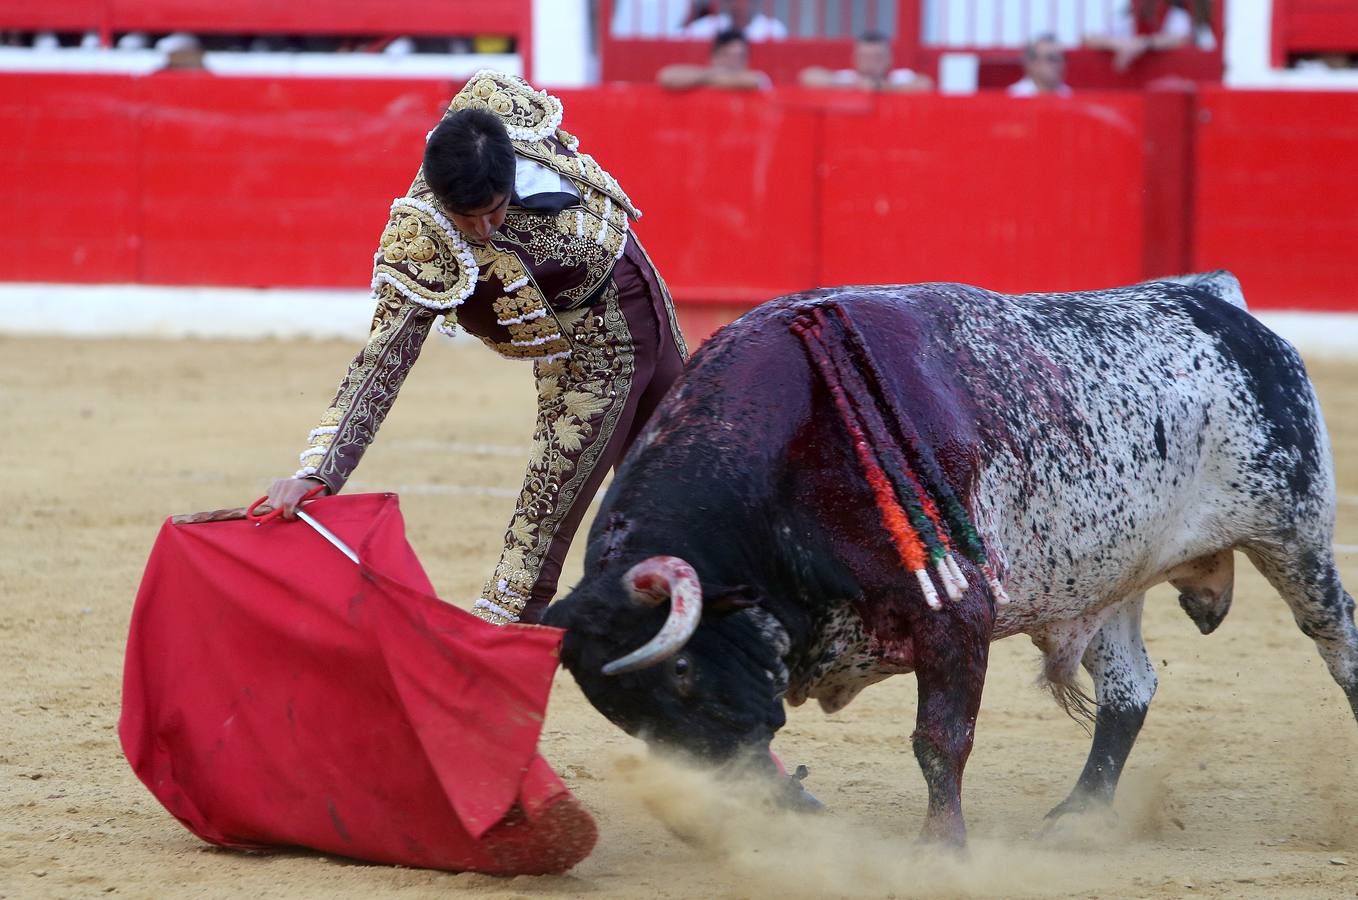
512	233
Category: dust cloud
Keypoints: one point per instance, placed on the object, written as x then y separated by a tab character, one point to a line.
773	852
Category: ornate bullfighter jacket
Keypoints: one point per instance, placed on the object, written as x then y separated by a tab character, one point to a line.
538	265
556	286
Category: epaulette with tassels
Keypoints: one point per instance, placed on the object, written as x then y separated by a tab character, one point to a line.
918	507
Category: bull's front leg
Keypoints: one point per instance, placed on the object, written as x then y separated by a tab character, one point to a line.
951	648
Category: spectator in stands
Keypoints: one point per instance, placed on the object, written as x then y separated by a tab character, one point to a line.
872	70
1144	26
1044	70
650	18
738	15
728	68
182	51
1325	62
133	40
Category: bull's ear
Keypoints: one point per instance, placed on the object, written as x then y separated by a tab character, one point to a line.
724	599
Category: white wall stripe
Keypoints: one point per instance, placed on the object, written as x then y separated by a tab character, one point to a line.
137	310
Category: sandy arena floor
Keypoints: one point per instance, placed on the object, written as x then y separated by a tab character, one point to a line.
1244	784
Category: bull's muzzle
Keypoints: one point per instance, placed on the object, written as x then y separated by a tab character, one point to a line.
650	583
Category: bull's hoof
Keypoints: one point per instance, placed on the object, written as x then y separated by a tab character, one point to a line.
792	795
1084	808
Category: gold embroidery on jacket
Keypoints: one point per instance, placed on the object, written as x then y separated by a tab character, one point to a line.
580	400
534	331
422	259
369	386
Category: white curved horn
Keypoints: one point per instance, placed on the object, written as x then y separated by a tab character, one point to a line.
650	582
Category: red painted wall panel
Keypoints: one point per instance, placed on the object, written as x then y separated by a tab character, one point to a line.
1277	195
271	16
1171	124
68	178
67	15
1314	26
183	178
275	181
1010	195
725	182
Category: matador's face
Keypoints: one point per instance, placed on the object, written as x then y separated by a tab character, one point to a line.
480	224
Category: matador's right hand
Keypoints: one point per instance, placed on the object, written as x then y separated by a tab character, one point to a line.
286	493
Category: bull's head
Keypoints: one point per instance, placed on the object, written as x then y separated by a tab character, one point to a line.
708	680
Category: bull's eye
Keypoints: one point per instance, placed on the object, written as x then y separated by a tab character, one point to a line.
682	670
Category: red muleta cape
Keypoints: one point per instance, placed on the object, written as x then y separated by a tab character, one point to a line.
277	695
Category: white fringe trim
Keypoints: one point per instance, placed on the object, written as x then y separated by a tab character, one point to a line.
603	223
957	573
927	586
310	452
503	586
460	250
519	320
950	585
483	603
304	472
324	429
446	328
995	587
404	291
547	127
515	285
538	341
550	357
623	246
579	223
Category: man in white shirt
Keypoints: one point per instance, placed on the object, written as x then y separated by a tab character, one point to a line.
742	16
1155	25
728	69
872	70
1044	70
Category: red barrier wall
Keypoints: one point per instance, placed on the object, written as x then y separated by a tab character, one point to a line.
69	179
725	183
270	182
183	178
1277	194
1002	194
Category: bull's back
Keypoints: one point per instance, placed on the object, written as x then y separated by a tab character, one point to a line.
1098	437
1118	433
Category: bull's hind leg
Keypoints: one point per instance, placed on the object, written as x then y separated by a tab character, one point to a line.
1305	574
1124	683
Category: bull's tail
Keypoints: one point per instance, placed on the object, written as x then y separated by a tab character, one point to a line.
1220	284
918	507
1074	700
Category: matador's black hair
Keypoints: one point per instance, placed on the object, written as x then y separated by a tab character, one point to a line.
469	160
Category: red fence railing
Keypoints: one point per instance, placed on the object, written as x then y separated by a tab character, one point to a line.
189	179
1312	27
513	18
638	37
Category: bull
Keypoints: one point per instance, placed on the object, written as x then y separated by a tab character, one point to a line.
859	482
